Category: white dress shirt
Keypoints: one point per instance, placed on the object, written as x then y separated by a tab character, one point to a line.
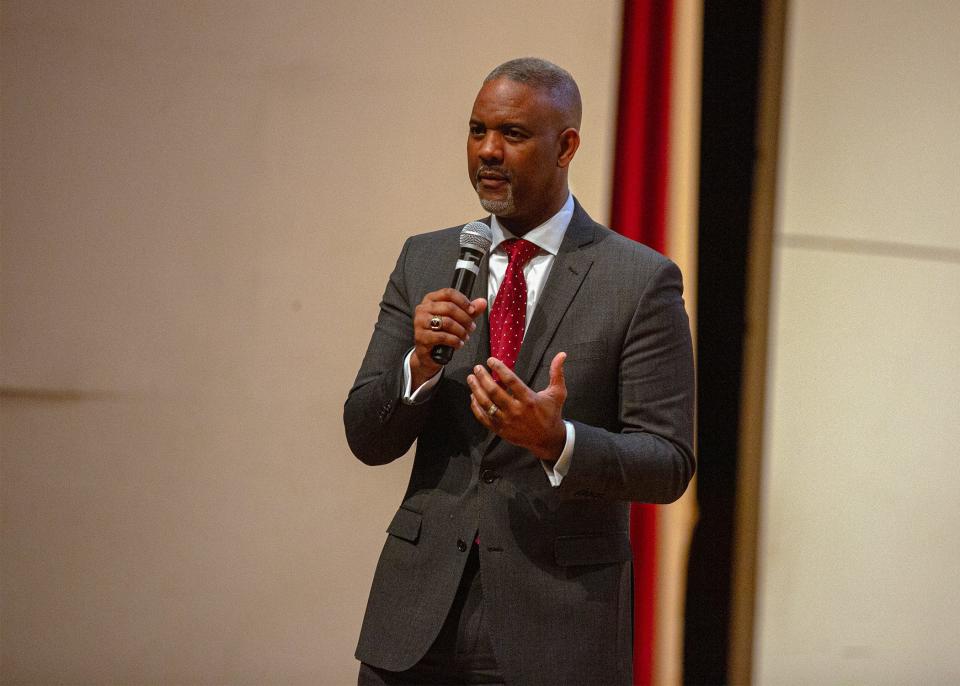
548	237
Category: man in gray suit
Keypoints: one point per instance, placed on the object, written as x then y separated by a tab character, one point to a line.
509	558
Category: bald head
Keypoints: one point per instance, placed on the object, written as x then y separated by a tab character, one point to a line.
553	81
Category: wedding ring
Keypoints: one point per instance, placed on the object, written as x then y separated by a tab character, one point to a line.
492	410
436	322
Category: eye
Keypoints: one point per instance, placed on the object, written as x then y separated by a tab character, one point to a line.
514	134
477	129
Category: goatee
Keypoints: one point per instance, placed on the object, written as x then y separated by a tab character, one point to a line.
503	208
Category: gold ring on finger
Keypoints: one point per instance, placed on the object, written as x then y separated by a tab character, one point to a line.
436	322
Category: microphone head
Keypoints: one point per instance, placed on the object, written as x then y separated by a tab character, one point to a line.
477	236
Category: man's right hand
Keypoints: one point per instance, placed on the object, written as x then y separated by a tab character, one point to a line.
456	314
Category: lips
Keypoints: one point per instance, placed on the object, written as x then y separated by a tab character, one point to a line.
491	179
491	175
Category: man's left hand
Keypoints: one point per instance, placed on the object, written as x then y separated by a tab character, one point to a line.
516	413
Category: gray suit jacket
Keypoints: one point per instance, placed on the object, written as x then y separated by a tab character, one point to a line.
555	562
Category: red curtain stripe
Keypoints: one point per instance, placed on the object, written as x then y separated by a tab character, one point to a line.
638	210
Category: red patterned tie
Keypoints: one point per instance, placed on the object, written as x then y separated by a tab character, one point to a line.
509	314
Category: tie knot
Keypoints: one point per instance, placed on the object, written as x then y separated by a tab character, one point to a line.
519	251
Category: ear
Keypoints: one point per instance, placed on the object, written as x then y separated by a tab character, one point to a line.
569	142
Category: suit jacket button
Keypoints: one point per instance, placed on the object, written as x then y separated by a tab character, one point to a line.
488	476
461	546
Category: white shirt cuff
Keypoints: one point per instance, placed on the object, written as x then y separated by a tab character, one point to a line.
422	394
558	470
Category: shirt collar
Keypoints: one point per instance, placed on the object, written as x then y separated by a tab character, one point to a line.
548	236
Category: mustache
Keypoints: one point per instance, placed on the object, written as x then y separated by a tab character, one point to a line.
499	171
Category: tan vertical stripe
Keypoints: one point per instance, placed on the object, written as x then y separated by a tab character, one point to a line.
675	522
743	587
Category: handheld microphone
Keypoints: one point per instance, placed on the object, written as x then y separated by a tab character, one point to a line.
475	240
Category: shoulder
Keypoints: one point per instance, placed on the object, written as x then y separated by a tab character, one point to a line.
433	249
615	250
433	240
622	264
608	240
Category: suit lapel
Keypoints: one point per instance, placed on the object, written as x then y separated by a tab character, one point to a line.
569	269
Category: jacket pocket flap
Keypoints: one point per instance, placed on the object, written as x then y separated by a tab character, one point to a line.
592	549
406	525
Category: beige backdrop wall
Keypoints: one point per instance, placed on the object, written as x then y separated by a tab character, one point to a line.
201	204
860	545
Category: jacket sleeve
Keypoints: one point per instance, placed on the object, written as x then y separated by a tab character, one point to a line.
650	459
379	426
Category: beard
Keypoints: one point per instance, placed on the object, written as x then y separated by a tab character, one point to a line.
500	208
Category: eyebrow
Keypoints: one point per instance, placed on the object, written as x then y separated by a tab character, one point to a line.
504	125
514	125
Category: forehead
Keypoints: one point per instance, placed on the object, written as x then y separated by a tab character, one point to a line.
511	100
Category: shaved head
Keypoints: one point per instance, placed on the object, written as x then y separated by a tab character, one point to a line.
555	82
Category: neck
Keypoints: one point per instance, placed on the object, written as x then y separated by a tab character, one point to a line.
520	226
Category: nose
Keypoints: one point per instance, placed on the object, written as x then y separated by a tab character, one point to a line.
491	148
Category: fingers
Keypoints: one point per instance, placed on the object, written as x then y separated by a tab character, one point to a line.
479	306
557	377
472	308
481	413
508	378
531	420
486	392
449	332
510	389
456	312
480	402
445	317
455	304
453	320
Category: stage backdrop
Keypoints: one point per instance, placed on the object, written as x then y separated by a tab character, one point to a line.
201	204
654	201
859	545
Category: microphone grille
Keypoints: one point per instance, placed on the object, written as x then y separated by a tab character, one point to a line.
476	235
